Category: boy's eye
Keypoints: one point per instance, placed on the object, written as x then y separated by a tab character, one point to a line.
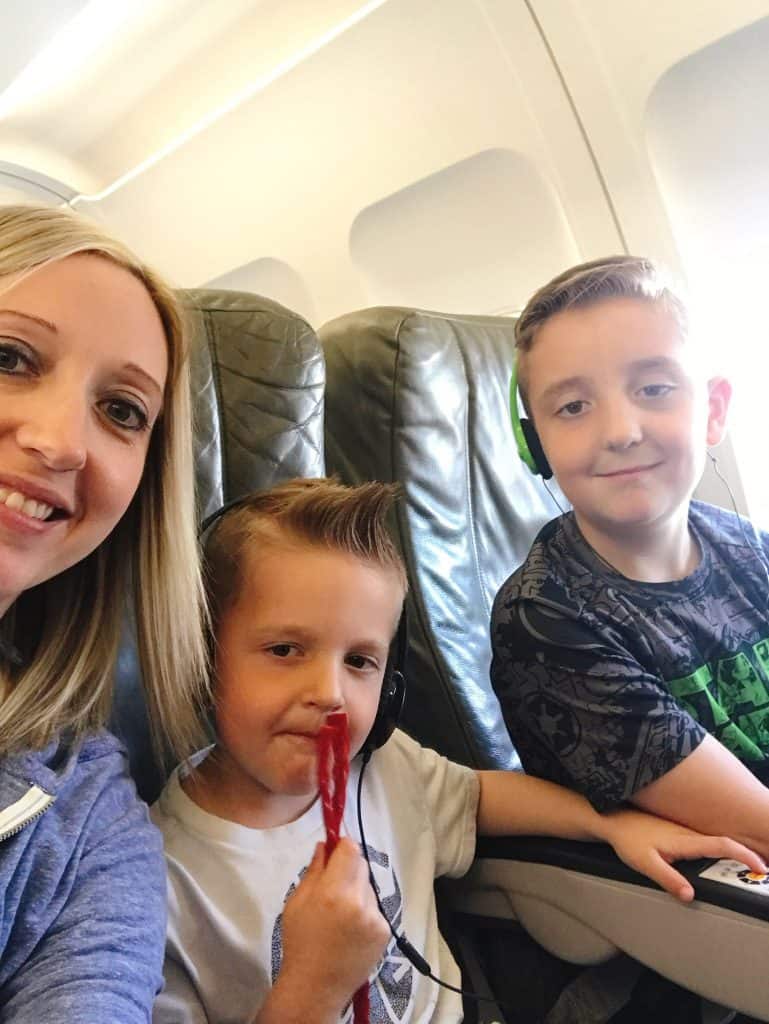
657	390
126	414
361	661
281	650
573	408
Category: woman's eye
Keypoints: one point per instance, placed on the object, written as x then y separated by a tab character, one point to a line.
572	408
13	360
128	415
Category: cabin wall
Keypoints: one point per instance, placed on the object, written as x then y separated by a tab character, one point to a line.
450	155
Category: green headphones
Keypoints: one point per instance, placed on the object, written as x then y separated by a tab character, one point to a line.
526	438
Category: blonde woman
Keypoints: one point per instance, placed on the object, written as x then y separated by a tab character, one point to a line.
96	504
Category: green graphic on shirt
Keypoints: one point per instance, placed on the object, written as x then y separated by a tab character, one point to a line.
731	699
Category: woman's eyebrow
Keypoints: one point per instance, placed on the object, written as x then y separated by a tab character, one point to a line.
31	316
146	377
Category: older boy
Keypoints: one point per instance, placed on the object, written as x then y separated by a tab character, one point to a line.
631	650
306	590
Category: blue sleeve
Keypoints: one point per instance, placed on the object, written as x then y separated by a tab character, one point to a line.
581	710
100	961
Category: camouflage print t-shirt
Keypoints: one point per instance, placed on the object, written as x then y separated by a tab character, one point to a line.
606	683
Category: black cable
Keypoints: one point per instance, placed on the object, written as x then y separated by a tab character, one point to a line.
759	555
412	955
553	497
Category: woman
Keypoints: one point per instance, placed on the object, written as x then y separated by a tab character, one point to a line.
96	493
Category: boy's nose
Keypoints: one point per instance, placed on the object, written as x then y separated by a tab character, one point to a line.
55	432
622	426
325	686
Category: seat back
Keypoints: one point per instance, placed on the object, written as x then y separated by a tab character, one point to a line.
257	391
422	398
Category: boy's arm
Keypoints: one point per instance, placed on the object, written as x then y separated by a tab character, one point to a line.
712	791
517	804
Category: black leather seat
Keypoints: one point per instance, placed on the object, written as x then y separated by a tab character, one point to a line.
257	384
422	398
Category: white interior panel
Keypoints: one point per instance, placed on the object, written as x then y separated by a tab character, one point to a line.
25	28
611	54
477	237
413	89
271	278
712	161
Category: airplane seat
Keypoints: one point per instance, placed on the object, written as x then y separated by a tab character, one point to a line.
257	392
422	398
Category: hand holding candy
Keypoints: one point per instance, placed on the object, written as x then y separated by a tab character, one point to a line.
333	771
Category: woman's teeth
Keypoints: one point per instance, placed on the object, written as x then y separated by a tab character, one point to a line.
28	506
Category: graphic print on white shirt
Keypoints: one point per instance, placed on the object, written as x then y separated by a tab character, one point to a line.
391	989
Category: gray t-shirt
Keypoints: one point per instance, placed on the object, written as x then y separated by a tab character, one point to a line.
228	884
606	684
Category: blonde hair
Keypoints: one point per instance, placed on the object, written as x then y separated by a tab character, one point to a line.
68	628
611	277
319	512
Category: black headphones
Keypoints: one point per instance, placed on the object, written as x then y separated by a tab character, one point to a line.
393	693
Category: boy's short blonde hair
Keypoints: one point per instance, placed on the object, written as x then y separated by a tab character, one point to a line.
611	277
319	512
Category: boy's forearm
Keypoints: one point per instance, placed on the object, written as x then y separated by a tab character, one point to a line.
512	803
711	791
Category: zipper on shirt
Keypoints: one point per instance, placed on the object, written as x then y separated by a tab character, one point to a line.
18	815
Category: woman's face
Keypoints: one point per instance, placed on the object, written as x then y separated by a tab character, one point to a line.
83	363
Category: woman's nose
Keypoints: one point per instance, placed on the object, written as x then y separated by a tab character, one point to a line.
54	430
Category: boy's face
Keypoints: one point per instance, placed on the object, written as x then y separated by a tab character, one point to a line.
309	635
623	418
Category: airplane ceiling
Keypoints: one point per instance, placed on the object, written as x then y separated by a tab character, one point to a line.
121	77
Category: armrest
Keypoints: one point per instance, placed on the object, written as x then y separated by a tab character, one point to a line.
600	860
581	903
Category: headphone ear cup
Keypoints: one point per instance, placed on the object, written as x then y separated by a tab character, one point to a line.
535	448
389	711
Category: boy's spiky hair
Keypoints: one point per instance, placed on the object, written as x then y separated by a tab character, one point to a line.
321	512
611	277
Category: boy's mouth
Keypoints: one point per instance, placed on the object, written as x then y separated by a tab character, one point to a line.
629	471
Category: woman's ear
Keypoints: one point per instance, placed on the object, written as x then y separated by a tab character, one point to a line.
719	396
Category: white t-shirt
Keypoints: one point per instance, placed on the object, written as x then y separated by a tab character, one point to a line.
228	884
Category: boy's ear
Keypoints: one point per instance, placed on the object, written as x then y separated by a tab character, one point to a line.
719	396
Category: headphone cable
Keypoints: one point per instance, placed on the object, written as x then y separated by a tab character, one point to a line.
414	957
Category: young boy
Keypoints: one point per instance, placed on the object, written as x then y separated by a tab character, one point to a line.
306	590
631	650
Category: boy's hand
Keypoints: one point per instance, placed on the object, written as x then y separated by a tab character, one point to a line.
333	931
649	844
